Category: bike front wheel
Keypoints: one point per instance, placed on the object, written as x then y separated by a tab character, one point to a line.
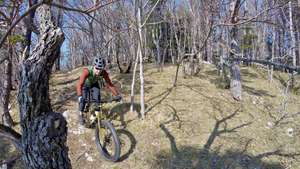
107	141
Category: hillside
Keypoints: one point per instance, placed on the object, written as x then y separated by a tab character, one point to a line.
195	125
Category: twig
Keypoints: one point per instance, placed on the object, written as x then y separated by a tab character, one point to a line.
149	14
86	151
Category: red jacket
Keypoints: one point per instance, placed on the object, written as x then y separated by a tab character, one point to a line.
84	76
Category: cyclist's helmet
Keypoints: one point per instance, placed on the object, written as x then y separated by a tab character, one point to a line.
99	63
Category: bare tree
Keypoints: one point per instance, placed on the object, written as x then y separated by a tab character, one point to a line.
157	37
293	39
138	4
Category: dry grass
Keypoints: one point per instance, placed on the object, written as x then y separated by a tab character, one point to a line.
195	125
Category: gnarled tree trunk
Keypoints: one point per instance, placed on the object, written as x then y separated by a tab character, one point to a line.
44	133
235	82
190	65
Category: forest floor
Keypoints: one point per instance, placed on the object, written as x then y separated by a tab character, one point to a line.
194	125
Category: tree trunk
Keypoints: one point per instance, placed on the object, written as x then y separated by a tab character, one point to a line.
44	142
7	120
133	83
29	28
298	42
235	82
59	23
118	62
92	38
271	68
176	74
293	39
179	53
156	37
44	133
57	62
162	65
141	62
170	45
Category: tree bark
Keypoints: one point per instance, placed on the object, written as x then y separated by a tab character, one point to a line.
156	38
141	61
235	82
293	39
7	120
59	22
44	133
271	68
29	29
179	53
57	62
133	83
118	46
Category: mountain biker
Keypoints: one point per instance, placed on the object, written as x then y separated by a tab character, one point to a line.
91	79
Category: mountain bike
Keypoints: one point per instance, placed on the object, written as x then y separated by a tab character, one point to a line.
107	140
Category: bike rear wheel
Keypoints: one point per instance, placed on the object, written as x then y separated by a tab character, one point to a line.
107	141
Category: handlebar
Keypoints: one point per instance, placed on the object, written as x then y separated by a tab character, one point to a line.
110	100
104	101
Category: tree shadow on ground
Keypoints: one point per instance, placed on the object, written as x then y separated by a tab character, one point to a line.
201	91
247	73
257	92
120	110
250	90
283	81
213	73
162	96
67	82
125	80
205	158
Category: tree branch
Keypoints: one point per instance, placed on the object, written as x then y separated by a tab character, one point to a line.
150	13
69	8
87	11
18	20
253	18
211	27
4	16
97	6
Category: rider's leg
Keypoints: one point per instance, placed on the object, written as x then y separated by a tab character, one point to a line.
96	95
85	92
